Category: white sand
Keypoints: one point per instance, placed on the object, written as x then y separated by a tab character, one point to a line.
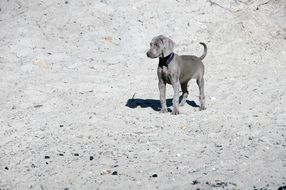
68	72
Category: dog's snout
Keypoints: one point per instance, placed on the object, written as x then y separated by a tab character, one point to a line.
148	54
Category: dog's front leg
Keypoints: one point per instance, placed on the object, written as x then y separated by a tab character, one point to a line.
162	89
176	87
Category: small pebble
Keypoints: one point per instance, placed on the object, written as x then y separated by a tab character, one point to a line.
61	125
76	154
6	168
47	157
115	173
154	175
66	2
91	158
60	154
195	182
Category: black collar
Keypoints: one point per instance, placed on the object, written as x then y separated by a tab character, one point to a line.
164	61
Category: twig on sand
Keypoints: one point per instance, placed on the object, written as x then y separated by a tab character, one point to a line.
214	3
133	96
265	3
236	1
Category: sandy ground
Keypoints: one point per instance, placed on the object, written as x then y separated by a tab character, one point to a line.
79	99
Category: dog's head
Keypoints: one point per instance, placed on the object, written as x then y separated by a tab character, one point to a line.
160	46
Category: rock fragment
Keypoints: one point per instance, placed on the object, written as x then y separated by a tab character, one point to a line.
114	173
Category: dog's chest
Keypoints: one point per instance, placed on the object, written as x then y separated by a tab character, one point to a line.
165	74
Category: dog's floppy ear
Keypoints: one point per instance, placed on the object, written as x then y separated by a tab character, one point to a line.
168	46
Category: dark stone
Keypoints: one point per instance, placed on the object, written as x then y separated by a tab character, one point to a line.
66	2
282	188
195	182
154	175
91	158
60	154
47	157
38	106
61	125
115	173
6	168
76	154
50	53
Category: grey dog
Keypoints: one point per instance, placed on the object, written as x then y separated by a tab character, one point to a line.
176	70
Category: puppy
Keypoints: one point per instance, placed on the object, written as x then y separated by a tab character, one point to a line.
176	70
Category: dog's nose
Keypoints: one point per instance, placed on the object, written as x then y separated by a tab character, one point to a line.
148	55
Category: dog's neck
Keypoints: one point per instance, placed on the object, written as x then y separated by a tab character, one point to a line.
164	61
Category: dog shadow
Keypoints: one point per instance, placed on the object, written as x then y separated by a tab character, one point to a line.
154	104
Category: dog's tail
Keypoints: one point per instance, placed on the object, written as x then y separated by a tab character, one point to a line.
205	51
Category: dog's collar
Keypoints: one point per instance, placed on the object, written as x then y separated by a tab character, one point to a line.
166	60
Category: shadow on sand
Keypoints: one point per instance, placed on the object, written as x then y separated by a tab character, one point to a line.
151	103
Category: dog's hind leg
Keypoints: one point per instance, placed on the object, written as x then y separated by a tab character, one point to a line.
200	83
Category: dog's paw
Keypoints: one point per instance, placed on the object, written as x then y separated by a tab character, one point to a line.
175	112
164	110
